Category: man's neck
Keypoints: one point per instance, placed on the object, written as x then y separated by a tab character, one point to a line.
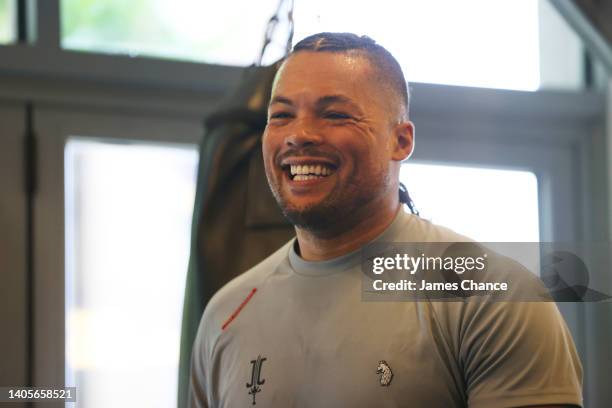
319	247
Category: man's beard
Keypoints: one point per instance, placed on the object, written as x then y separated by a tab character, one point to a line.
314	217
332	214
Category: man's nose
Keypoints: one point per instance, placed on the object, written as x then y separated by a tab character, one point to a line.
303	135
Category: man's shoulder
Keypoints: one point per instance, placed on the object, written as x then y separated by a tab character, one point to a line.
417	229
253	277
230	296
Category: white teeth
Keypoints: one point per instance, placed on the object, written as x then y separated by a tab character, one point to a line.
301	177
310	170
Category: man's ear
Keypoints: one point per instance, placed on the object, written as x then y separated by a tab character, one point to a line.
403	145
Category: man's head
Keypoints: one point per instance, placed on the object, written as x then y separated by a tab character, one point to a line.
337	131
387	72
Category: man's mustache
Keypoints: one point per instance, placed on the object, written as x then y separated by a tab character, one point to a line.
310	152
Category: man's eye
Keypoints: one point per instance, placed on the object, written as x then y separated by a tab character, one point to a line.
336	115
280	115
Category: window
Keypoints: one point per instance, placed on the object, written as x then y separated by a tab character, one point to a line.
8	19
472	42
206	31
481	203
128	220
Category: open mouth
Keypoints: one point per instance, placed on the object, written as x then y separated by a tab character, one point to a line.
308	171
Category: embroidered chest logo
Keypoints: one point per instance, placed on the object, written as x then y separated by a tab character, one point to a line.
256	380
386	375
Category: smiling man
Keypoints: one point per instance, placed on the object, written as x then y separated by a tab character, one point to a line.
294	331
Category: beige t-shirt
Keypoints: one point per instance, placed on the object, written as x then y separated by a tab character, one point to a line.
292	333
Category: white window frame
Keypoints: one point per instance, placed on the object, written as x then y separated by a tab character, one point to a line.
54	126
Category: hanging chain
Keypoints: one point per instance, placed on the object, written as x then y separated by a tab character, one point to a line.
271	28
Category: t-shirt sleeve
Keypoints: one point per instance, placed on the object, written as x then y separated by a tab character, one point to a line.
518	354
201	394
197	383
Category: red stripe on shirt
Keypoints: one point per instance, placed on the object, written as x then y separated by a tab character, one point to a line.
237	311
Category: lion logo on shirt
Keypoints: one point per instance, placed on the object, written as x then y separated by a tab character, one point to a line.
386	373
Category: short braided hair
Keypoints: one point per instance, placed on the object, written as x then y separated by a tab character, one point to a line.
389	70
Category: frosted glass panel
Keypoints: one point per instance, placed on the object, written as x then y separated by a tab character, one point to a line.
488	205
8	26
128	220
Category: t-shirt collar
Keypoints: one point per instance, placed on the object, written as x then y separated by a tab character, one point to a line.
346	261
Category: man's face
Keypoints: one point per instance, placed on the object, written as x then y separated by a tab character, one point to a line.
328	145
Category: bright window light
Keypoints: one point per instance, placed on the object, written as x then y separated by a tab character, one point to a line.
488	205
8	19
228	33
128	221
470	42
